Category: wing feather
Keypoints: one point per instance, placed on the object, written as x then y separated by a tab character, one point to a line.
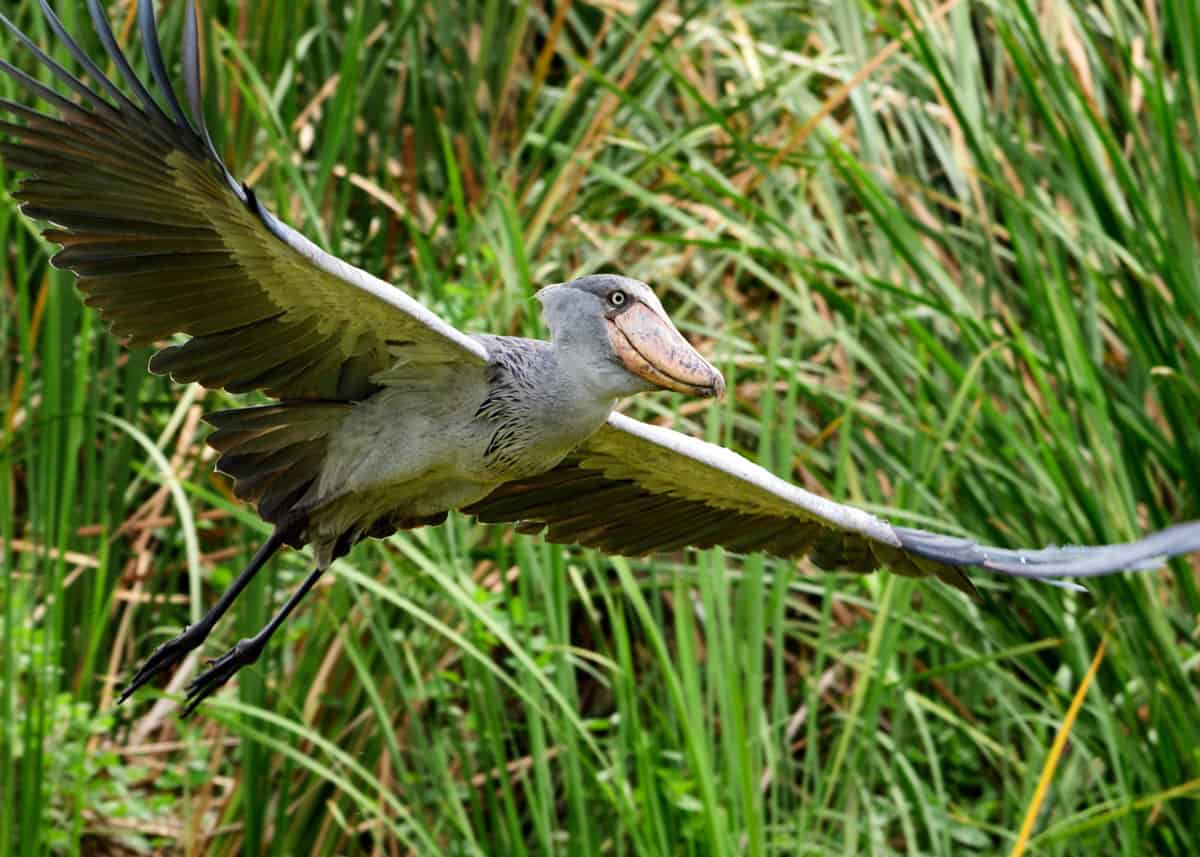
636	489
164	240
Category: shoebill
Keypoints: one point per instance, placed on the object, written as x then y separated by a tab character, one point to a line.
387	417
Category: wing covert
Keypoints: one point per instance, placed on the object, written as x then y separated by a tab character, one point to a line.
635	489
164	240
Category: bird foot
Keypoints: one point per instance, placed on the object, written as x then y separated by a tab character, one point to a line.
220	670
164	657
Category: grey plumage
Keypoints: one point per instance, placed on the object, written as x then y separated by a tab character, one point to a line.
389	417
694	494
514	376
680	492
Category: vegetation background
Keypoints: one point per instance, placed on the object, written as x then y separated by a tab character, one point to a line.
945	253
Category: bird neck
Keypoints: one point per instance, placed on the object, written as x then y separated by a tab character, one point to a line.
582	384
581	371
541	402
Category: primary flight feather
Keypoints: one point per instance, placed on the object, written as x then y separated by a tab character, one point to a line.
388	417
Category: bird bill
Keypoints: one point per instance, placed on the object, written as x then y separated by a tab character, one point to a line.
652	348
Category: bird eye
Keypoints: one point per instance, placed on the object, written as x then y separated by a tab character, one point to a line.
617	299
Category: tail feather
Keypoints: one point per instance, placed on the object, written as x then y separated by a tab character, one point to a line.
274	452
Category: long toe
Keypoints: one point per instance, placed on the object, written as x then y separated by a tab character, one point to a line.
163	658
220	671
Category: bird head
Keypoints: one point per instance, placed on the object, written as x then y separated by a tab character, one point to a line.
619	322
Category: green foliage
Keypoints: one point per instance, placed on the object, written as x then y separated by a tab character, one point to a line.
958	288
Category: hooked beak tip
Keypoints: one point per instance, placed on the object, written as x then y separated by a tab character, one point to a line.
714	389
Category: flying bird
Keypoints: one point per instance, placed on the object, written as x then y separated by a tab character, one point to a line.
386	416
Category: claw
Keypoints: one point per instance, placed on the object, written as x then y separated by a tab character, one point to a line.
220	671
163	658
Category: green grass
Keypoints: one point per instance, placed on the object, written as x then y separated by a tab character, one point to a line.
960	289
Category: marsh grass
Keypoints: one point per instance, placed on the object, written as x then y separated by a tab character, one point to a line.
945	253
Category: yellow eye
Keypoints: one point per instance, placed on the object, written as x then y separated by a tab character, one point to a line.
617	299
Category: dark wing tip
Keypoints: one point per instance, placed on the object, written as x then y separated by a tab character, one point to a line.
191	78
154	56
104	31
191	135
78	54
60	74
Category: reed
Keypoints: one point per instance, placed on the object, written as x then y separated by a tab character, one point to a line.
945	255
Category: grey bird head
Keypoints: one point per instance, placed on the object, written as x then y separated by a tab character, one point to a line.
618	325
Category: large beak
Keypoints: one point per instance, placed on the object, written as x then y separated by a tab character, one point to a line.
650	347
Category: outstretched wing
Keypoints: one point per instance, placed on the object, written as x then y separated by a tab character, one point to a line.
164	240
635	489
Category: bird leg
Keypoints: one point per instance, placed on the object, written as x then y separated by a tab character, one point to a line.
174	650
246	651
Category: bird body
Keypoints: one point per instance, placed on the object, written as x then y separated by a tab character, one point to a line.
388	417
439	437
